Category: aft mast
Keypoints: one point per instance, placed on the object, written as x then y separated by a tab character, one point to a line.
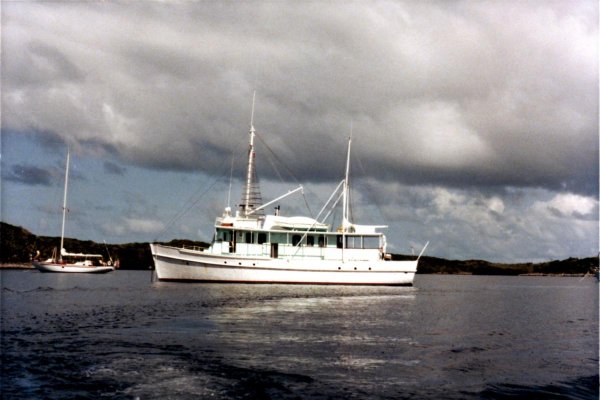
251	198
345	200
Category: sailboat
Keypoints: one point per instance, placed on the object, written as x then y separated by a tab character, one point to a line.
72	262
250	247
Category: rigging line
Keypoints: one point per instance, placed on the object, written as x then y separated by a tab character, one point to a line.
189	203
333	210
372	197
270	159
277	158
307	206
230	179
189	207
298	245
286	167
179	213
350	201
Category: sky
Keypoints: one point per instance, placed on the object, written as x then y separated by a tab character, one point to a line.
474	124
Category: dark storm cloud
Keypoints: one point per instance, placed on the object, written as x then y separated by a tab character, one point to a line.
474	123
41	64
29	175
456	94
113	168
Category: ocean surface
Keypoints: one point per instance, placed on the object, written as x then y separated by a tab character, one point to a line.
122	336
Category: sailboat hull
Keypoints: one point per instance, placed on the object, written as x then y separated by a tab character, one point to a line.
177	264
71	268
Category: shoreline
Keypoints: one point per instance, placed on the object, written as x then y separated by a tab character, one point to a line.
6	266
565	275
16	266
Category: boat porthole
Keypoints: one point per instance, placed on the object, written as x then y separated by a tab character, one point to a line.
240	263
339	267
355	268
369	268
253	264
224	262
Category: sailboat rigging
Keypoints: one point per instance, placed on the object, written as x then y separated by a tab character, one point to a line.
63	261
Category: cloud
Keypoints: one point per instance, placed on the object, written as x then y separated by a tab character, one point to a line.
453	94
113	168
143	226
568	205
29	175
138	226
518	225
471	121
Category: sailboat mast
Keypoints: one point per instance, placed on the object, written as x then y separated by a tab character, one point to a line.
62	232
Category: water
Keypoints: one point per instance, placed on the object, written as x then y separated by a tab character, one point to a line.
121	336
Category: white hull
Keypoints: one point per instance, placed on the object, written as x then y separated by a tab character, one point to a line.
176	264
71	268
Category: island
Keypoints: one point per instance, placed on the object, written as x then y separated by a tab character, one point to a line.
19	246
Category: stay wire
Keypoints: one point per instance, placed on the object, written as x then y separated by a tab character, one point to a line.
288	169
190	202
277	158
370	192
186	208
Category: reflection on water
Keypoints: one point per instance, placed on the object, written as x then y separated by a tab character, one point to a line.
121	336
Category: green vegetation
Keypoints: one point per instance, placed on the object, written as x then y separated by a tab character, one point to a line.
19	245
434	265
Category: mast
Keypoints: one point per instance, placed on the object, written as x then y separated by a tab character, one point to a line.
62	232
251	197
345	200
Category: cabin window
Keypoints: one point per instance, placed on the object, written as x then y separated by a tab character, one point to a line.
321	241
310	240
278	238
249	237
296	240
262	237
358	242
224	236
371	242
352	242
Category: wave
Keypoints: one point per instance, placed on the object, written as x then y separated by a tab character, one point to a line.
581	388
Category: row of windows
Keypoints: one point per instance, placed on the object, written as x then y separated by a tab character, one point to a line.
352	241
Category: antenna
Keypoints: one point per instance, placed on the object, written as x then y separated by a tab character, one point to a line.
252	116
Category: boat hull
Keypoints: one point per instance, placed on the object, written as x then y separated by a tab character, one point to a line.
71	268
175	264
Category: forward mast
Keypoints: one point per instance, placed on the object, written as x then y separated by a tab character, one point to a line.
252	198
